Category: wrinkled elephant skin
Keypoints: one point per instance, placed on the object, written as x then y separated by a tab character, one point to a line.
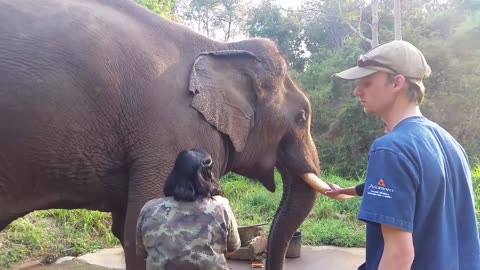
98	97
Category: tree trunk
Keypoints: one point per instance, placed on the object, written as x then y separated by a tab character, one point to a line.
229	27
374	41
358	31
398	20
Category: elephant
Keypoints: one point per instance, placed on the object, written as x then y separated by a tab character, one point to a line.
97	97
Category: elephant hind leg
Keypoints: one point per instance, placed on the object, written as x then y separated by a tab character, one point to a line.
132	260
118	224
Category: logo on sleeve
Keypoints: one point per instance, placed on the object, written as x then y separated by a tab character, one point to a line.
380	189
381	182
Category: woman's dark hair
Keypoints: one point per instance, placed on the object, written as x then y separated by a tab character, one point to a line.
192	177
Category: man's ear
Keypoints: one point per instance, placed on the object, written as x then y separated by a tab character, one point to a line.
400	82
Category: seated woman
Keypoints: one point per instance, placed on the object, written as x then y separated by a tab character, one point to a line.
192	227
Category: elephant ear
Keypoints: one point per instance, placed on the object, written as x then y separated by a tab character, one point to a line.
222	84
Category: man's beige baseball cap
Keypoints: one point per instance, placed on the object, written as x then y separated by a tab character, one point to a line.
395	57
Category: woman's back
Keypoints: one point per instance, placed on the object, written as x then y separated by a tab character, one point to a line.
187	235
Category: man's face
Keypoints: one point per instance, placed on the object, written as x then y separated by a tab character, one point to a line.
375	93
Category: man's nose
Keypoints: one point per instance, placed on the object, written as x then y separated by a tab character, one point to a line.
356	91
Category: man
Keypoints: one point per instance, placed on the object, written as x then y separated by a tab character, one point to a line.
418	200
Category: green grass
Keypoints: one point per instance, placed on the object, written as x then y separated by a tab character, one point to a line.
50	234
476	190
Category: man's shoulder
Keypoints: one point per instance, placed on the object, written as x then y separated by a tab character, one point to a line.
414	132
393	141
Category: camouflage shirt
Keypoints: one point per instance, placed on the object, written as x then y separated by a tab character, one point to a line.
174	235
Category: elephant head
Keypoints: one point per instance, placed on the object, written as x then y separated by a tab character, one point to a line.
245	92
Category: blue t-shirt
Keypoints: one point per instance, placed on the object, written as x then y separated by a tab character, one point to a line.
418	180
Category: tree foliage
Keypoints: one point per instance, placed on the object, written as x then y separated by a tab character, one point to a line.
269	21
219	19
163	8
449	36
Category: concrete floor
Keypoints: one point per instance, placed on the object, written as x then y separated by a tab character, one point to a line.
312	258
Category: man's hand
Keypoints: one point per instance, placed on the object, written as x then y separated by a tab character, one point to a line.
338	193
334	189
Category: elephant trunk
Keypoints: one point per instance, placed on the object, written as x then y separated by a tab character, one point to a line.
297	201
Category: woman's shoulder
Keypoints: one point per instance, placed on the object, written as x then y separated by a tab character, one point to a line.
157	202
220	199
215	202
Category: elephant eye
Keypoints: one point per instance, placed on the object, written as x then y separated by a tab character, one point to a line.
301	119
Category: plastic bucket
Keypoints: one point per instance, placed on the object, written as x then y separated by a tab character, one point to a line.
294	249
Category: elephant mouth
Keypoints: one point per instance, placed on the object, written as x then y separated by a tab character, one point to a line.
311	179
